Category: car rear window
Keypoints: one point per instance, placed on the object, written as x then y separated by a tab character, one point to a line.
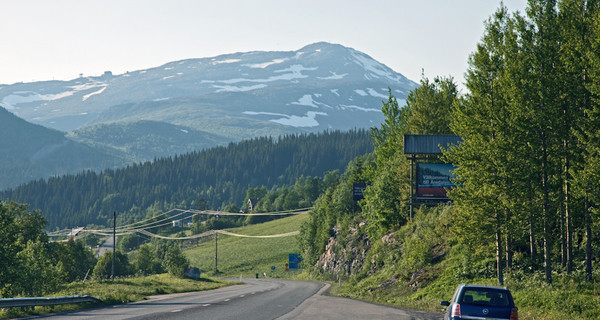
486	297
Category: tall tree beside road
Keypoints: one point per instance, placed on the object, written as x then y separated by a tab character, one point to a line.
385	200
483	168
582	63
577	34
428	106
528	124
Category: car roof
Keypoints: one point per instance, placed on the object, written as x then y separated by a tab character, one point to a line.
482	286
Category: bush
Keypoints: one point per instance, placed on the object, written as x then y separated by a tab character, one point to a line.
175	262
103	268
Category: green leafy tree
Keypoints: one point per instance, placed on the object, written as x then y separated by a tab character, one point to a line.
581	58
38	275
129	242
480	118
537	105
74	260
428	106
103	268
9	267
23	248
175	261
145	261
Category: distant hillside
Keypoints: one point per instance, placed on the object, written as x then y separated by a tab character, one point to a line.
147	140
29	152
217	177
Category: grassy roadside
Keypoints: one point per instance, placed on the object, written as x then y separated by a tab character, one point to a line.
120	291
416	277
238	256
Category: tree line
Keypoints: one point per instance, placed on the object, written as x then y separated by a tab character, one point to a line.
528	168
212	178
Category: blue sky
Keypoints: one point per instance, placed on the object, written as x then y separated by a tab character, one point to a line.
60	39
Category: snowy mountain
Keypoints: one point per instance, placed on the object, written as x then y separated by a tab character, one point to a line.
113	120
240	95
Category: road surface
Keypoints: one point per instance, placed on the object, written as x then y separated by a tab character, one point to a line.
107	245
257	299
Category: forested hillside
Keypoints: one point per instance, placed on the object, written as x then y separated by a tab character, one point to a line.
29	151
211	178
524	213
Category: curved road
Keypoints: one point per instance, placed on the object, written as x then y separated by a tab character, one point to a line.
257	299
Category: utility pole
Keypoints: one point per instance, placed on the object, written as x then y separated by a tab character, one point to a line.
216	251
112	275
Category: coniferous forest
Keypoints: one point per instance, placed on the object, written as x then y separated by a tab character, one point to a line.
208	179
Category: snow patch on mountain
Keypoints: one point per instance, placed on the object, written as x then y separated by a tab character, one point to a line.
265	64
333	76
87	96
361	93
238	89
309	120
306	100
374	93
215	62
348	107
287	74
18	97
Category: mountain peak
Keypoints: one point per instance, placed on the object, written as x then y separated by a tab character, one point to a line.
318	87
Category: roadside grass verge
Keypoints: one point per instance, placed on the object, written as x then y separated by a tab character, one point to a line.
121	290
246	257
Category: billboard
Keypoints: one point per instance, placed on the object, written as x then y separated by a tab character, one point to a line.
357	191
433	179
294	261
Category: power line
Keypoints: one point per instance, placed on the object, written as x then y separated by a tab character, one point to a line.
143	226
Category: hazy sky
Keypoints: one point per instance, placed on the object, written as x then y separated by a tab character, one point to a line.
59	39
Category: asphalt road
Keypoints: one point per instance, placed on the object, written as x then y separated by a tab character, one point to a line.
257	299
107	245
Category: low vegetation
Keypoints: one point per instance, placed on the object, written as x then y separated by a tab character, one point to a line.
121	290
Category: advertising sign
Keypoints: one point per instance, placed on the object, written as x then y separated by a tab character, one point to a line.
357	191
433	179
294	260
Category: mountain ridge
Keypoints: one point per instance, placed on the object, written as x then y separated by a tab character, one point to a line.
193	104
298	89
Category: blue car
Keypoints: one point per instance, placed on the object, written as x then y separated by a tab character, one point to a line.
481	303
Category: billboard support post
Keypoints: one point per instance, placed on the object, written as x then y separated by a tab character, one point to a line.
412	193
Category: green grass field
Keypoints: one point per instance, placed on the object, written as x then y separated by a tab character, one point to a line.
248	256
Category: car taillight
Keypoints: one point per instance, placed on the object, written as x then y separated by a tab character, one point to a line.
455	310
514	315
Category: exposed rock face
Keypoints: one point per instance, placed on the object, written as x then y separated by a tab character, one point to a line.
344	256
